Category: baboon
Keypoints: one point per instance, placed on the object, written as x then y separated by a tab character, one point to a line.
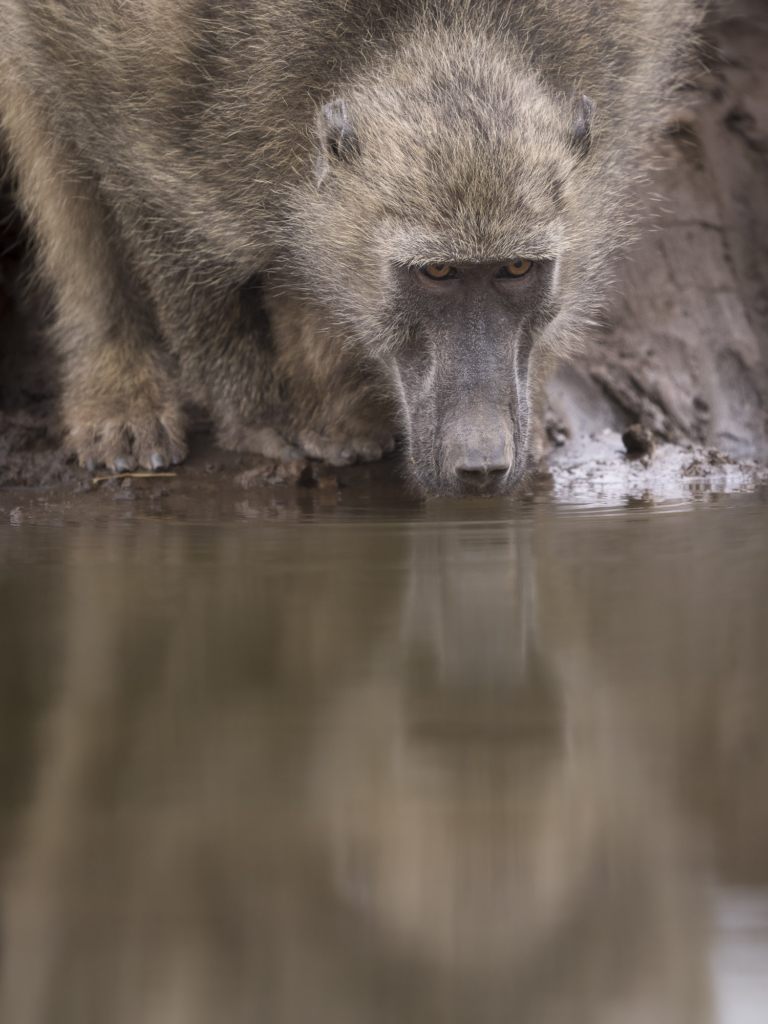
329	222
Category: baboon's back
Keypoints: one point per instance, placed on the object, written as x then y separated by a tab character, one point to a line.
189	109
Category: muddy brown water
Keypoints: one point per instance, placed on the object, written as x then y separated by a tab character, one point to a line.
302	760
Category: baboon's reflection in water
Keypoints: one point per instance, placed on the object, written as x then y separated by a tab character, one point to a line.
322	774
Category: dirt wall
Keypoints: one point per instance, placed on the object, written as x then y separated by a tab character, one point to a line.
684	346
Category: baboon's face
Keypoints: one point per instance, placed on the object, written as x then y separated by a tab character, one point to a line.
462	368
446	228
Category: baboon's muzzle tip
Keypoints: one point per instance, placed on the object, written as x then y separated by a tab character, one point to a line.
479	455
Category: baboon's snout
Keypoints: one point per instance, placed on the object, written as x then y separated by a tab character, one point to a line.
478	451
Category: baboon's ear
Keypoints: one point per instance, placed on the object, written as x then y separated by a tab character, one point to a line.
338	138
582	126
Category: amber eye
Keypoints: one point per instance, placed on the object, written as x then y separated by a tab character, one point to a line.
439	271
517	268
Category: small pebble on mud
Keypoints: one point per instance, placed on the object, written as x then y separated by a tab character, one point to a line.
638	440
558	434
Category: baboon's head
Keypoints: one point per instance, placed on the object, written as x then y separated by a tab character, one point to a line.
445	227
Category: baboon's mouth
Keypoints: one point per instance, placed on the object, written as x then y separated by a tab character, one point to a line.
433	482
484	484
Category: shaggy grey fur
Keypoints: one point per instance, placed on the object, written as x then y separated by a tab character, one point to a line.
232	204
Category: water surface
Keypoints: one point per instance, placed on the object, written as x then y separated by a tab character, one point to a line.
455	762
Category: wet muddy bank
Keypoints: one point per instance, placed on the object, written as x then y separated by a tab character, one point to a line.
38	483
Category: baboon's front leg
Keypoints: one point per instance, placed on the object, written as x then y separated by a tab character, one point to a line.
226	353
120	403
339	401
277	377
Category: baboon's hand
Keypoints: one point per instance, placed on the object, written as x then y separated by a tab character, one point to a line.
309	444
151	440
346	451
264	441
